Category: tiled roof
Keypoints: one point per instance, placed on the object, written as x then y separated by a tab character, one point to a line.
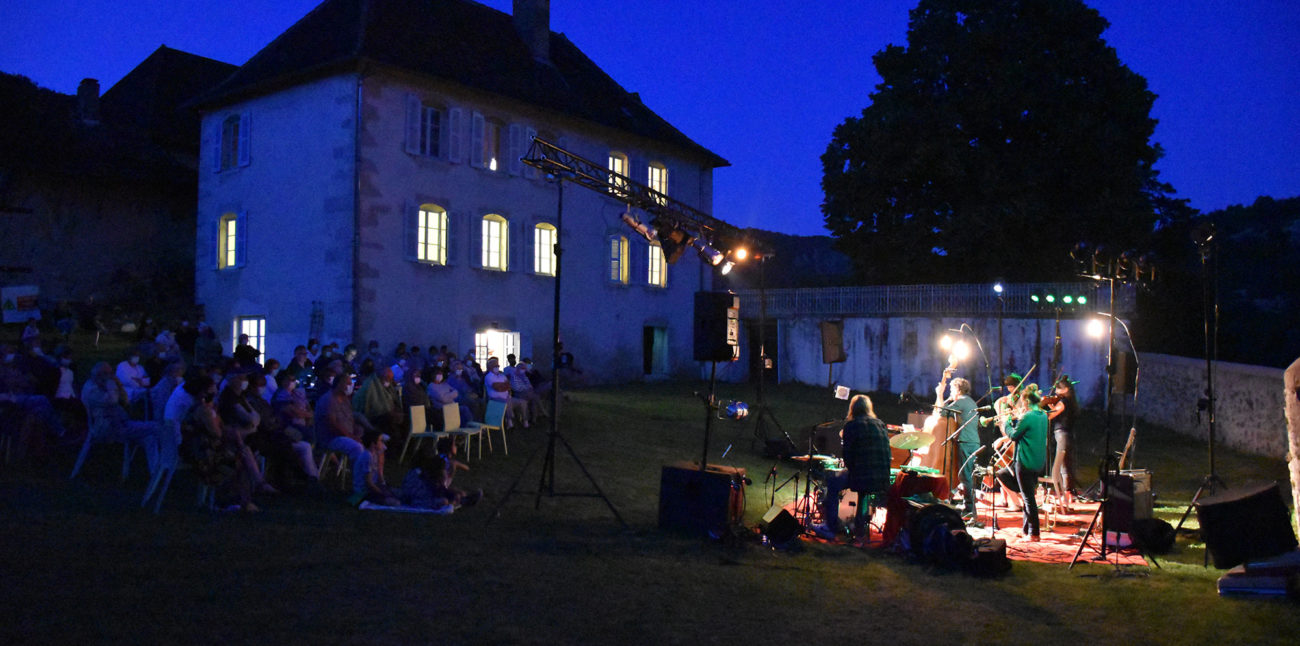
151	96
455	40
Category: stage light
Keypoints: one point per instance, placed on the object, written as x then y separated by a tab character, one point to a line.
997	287
641	228
1082	300
1067	299
1050	298
1034	297
708	253
737	410
945	342
673	241
727	266
741	254
1096	328
961	350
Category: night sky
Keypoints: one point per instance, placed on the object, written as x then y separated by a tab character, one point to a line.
763	83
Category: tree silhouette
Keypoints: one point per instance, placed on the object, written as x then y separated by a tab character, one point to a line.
1005	132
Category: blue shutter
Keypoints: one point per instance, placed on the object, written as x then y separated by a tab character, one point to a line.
410	233
245	136
214	139
414	116
477	127
519	244
517	149
453	238
475	235
214	234
241	239
456	136
529	134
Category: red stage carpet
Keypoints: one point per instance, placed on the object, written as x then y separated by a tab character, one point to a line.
1058	543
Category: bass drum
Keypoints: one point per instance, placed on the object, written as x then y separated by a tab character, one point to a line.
926	519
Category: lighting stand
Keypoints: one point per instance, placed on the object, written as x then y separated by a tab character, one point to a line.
1211	482
546	483
764	411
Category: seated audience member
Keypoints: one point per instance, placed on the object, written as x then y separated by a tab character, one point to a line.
313	350
239	421
291	406
422	486
523	401
299	363
337	428
186	336
172	378
450	465
285	450
26	413
473	371
399	368
204	446
133	379
207	349
66	402
497	386
540	384
381	404
269	371
416	362
106	401
442	393
246	354
166	347
368	483
413	392
570	373
350	358
373	354
511	362
465	393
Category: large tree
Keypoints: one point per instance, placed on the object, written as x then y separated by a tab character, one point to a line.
1005	132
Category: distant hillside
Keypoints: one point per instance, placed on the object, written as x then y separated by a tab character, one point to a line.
794	261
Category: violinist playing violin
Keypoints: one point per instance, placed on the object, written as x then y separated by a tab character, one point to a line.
1063	409
962	408
1030	435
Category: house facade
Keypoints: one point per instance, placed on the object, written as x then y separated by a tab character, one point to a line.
362	181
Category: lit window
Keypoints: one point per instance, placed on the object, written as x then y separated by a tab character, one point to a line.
658	267
618	259
255	328
618	165
231	235
430	130
495	343
658	180
544	249
431	234
495	242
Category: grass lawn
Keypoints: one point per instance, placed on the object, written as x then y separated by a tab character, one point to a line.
80	562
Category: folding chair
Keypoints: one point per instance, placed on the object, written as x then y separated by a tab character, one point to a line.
128	449
337	460
451	426
168	463
493	420
419	430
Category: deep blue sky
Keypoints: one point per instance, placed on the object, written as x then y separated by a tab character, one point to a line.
762	83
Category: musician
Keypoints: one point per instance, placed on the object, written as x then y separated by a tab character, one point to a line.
1062	413
866	464
961	407
1030	435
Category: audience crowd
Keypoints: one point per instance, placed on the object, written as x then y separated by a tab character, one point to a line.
253	428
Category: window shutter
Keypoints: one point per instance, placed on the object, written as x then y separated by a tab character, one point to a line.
516	149
410	233
444	134
456	136
241	238
245	135
214	138
453	238
413	125
476	141
529	134
475	235
215	236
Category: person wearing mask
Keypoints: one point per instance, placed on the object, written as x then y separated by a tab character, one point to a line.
442	393
133	378
106	401
466	394
204	446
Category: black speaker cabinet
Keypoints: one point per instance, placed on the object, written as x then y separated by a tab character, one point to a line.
1125	373
1244	524
1130	500
825	439
700	501
717	326
833	342
779	526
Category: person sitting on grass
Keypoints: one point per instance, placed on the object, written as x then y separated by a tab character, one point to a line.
422	486
457	497
368	483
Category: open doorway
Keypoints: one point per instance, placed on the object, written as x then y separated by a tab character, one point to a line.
654	351
495	343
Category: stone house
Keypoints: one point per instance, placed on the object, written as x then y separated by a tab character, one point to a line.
360	180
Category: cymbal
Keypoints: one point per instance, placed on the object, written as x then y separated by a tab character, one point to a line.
911	441
816	457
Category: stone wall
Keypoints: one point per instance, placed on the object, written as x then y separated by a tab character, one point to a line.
1249	408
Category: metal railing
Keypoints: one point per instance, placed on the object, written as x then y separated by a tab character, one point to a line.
939	300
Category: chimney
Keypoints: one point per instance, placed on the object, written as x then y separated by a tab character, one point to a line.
88	101
532	20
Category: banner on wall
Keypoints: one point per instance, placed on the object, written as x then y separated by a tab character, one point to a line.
19	303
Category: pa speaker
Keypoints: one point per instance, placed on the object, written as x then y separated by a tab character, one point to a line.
779	526
1125	373
700	501
833	342
1245	524
1129	500
717	326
